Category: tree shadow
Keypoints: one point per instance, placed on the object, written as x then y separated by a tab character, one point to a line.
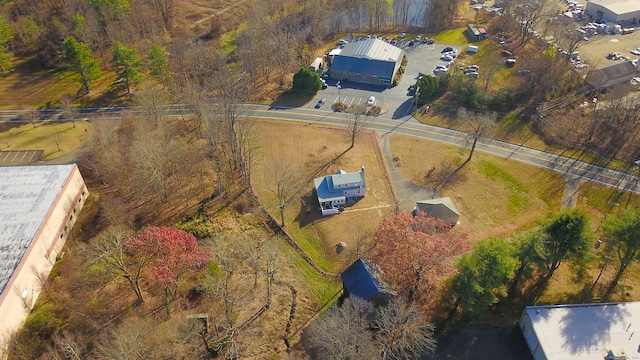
583	329
533	293
291	98
309	210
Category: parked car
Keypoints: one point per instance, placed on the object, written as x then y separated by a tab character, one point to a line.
447	49
431	41
510	62
473	67
442	67
418	38
472	75
342	42
425	40
636	51
411	43
505	53
523	72
446	58
402	35
320	103
371	101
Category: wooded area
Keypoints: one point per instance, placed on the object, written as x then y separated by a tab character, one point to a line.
174	256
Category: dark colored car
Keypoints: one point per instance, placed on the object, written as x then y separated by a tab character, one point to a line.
447	49
505	53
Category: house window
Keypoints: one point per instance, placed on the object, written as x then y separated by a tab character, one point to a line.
358	191
345	193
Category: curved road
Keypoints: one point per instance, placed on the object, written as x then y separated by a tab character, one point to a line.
573	170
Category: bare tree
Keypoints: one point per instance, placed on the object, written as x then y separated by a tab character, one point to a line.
68	111
31	116
342	332
357	122
402	332
478	125
133	339
285	184
108	250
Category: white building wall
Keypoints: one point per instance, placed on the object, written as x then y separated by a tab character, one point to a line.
24	286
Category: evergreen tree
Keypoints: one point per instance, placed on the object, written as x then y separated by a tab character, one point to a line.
128	65
81	60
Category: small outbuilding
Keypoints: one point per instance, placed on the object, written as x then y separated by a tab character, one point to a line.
472	49
316	65
611	75
440	208
363	279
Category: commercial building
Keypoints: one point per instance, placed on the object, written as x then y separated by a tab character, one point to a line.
624	12
369	61
38	206
583	331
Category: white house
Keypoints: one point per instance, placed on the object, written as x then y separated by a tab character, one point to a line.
339	190
583	331
38	206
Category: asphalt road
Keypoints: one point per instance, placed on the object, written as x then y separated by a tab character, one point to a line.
386	124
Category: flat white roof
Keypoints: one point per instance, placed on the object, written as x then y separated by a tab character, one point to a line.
619	7
26	195
587	331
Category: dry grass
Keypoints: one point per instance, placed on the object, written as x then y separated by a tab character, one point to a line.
44	137
316	151
496	197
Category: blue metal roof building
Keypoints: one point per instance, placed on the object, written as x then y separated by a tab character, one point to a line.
370	61
363	279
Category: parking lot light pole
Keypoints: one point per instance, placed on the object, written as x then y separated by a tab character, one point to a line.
339	86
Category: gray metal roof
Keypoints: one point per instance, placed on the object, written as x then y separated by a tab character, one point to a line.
373	49
26	195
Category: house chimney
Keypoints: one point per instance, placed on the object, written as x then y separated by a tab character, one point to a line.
362	168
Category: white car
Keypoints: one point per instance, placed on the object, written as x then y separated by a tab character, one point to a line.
636	51
371	101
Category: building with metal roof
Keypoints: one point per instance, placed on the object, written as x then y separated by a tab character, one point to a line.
38	206
626	12
604	331
339	190
369	61
440	208
363	279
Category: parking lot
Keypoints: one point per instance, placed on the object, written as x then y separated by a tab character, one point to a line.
19	157
395	101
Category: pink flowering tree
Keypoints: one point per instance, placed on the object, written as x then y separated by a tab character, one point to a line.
172	253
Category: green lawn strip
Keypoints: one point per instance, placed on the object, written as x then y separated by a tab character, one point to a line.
518	193
452	37
308	240
228	39
322	288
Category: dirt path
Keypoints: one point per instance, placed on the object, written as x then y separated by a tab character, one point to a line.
406	192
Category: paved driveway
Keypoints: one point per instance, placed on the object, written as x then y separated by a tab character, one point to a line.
395	101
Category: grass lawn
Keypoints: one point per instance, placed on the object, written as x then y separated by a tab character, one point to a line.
47	137
452	37
315	151
496	197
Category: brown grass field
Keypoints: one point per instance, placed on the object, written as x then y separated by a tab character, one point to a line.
44	137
